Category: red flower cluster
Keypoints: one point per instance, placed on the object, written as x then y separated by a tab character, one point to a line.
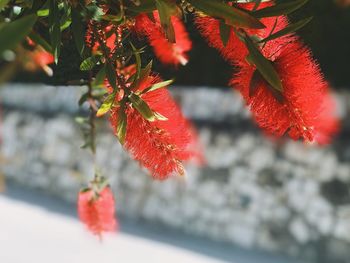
96	210
167	52
161	145
305	108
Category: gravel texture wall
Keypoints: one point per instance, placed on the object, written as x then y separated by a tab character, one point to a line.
258	193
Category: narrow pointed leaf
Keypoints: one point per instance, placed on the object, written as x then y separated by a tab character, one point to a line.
264	66
225	31
166	9
83	98
138	60
43	12
254	82
122	124
142	107
90	62
106	105
231	15
287	30
160	117
100	77
111	76
257	3
145	6
279	9
55	29
158	85
14	32
40	41
77	28
145	72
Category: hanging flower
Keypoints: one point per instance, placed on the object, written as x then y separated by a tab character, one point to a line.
161	145
167	52
304	110
96	210
38	59
235	50
328	123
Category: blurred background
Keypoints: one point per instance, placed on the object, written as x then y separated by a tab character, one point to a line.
257	200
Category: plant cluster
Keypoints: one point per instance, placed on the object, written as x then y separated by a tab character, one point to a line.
277	77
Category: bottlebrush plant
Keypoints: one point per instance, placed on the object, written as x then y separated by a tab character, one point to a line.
279	80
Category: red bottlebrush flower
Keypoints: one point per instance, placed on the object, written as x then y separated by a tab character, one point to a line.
306	110
42	58
235	50
328	123
96	210
38	59
161	146
167	52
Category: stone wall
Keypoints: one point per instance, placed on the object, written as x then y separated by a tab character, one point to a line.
279	196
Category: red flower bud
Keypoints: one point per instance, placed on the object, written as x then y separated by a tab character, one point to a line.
96	210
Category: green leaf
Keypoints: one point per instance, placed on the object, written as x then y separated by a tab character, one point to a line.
94	12
14	32
100	77
80	120
279	9
78	31
65	20
145	6
160	117
158	86
55	29
142	107
43	12
113	18
3	3
145	72
106	105
40	41
83	98
166	9
287	30
256	77
231	15
257	3
264	65
225	32
122	124
138	60
90	62
111	76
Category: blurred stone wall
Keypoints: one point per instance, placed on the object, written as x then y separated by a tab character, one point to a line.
279	196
